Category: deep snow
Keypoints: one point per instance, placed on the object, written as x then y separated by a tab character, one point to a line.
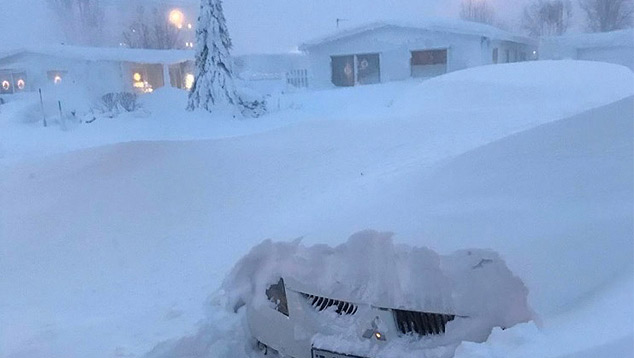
577	261
109	250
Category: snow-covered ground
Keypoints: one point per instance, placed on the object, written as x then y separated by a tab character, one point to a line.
114	234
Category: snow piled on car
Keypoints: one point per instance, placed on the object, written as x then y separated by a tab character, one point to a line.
369	268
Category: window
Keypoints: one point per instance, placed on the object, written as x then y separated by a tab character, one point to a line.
57	77
429	57
19	82
359	69
428	63
368	69
182	75
277	294
12	82
343	70
6	83
147	77
508	56
495	55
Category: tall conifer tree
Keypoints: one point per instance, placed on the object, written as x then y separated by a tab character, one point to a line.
213	85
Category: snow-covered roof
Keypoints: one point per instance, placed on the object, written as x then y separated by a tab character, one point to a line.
430	24
621	38
117	54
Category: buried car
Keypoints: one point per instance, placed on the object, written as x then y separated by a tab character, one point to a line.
372	298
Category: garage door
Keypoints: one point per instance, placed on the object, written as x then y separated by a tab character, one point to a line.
428	63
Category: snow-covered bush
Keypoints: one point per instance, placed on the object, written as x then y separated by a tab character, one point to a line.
252	104
115	103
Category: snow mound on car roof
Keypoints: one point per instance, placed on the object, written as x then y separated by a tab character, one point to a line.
370	268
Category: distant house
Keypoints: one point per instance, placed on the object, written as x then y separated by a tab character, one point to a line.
382	52
614	47
96	70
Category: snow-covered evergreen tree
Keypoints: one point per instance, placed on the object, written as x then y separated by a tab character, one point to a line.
213	85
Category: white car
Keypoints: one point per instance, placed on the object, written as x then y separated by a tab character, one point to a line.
370	298
302	324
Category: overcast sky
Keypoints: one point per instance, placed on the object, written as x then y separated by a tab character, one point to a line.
280	25
258	26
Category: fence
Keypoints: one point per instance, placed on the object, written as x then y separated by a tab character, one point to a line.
297	78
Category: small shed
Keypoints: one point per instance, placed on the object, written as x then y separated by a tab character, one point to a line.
381	52
614	47
95	69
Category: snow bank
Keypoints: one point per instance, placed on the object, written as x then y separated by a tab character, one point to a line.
142	232
575	334
532	91
555	200
619	38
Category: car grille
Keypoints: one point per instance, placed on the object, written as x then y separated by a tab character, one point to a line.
423	323
322	303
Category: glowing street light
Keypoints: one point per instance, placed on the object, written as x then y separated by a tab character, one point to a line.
6	85
176	17
57	79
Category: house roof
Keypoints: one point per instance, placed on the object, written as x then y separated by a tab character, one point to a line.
621	38
116	54
434	25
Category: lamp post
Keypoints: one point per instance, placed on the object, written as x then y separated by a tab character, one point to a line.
176	18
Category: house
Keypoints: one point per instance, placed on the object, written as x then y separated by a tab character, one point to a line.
95	70
614	47
381	52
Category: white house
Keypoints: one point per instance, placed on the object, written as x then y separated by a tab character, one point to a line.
95	70
615	47
382	52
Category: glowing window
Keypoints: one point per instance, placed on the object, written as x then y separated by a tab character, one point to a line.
20	81
56	76
189	81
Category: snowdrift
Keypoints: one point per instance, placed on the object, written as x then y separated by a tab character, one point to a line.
110	250
555	200
487	102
